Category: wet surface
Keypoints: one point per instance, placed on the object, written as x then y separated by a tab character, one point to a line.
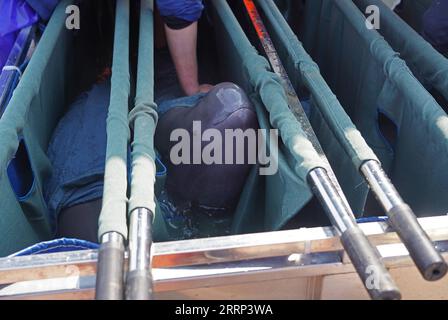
185	220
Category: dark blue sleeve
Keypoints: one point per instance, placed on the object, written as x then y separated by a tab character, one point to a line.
188	10
435	25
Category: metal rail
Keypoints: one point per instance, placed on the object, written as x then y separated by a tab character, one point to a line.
218	262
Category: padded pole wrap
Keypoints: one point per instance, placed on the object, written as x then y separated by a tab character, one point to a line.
144	118
142	205
113	214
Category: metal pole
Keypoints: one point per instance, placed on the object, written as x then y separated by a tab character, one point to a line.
139	277
363	255
109	281
139	282
113	228
401	217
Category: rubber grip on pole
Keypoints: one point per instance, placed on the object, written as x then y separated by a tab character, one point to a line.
428	260
367	263
139	285
109	281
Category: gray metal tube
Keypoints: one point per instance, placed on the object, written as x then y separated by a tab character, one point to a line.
110	267
381	185
339	213
139	278
365	258
428	260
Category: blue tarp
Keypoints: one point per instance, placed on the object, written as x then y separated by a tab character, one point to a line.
55	246
19	14
16	15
